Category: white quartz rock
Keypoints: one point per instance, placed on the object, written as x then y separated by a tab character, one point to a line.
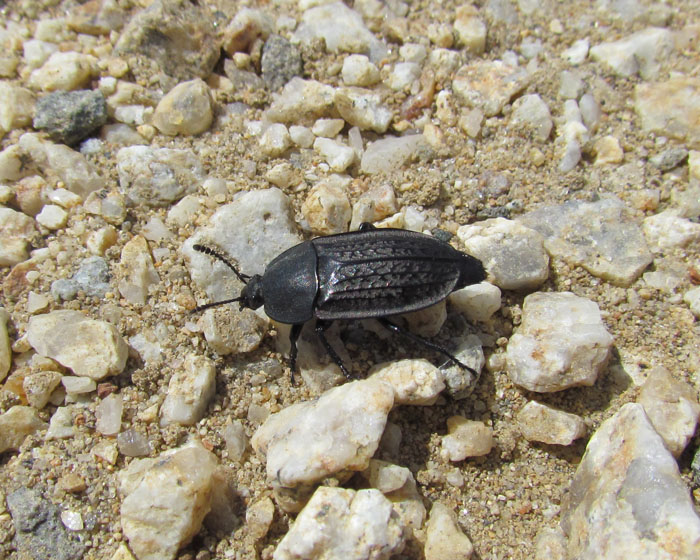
613	248
16	424
189	392
166	499
16	230
265	228
539	422
562	342
109	415
73	168
327	206
341	28
137	271
399	486
90	348
667	230
477	302
627	497
513	254
444	539
414	381
643	52
672	407
391	153
338	156
340	431
466	438
363	108
340	523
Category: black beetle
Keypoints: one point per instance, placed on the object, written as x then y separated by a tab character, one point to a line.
369	273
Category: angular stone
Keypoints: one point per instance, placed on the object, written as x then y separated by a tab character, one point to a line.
561	342
672	407
157	177
5	349
39	386
137	271
477	302
39	532
671	108
16	424
77	173
512	254
265	228
488	85
363	108
643	53
444	538
532	114
232	331
627	495
64	71
466	438
90	348
415	382
301	102
612	246
667	230
186	109
16	230
166	499
327	207
340	523
309	441
68	117
189	392
171	36
280	62
391	153
539	422
342	29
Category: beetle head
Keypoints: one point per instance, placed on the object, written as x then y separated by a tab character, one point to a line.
251	294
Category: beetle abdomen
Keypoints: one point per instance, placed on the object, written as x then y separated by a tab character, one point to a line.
384	272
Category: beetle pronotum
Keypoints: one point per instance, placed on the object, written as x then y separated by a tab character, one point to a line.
369	273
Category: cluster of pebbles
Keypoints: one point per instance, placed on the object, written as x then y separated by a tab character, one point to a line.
558	142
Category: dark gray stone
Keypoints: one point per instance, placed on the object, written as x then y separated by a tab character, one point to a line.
70	116
39	532
281	61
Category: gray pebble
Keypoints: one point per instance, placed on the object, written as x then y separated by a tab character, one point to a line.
39	532
64	289
68	117
668	159
281	61
93	276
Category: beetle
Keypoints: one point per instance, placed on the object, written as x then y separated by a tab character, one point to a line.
370	273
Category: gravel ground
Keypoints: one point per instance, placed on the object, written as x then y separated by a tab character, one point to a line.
507	496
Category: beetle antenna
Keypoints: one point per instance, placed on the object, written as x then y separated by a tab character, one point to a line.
215	304
209	251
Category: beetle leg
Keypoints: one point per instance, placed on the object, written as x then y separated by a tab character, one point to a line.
321	327
425	342
293	336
